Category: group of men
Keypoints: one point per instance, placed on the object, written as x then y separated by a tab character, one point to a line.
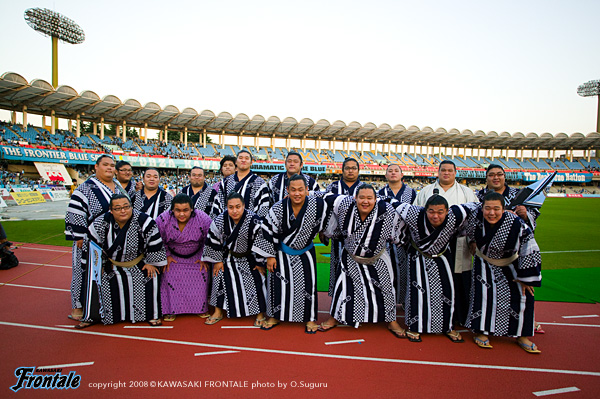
377	242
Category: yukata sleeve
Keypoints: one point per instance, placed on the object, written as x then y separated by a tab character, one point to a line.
262	200
155	254
467	227
529	263
214	247
76	222
398	227
332	229
97	231
267	239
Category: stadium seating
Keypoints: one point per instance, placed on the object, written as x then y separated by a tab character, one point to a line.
541	164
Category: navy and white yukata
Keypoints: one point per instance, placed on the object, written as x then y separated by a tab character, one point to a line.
398	253
238	288
364	290
509	194
429	304
204	200
292	287
153	206
497	305
339	188
129	293
90	200
278	186
252	188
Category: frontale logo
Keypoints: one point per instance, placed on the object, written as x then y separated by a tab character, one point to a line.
28	380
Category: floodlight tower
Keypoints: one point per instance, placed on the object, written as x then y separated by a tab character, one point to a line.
58	27
590	89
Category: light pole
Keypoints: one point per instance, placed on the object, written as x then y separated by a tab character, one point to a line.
58	27
590	89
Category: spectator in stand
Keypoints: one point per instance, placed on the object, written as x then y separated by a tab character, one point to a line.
227	169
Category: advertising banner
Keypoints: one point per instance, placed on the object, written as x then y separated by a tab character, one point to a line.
559	178
28	197
53	172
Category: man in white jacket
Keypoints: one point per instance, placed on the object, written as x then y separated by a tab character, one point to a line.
456	194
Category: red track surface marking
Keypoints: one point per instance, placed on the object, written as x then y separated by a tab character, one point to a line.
556	391
271	360
72	365
351	341
215	353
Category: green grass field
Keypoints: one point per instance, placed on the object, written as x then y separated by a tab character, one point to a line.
565	227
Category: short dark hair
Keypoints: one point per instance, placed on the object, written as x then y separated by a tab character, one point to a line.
393	164
233	195
181	198
118	197
196	167
103	156
225	159
147	169
296	154
350	160
366	187
296	177
493	196
436	199
247	152
493	166
120	164
446	162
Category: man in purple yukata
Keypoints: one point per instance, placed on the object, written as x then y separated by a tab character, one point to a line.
184	283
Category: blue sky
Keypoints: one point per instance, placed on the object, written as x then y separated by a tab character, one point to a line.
480	65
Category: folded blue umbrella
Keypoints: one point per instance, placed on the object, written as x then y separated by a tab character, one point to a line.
534	194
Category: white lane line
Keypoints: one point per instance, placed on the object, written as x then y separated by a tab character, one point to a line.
215	353
555	391
65	325
44	264
239	327
44	249
33	286
569	324
65	366
568	252
582	316
351	341
309	354
153	327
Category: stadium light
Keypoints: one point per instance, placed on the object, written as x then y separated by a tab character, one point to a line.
58	27
591	89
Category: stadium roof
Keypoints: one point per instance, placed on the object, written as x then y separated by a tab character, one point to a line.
41	98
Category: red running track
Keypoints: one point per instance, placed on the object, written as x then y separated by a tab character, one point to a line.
227	362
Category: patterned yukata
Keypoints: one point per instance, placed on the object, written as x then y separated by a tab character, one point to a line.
364	291
398	253
90	200
429	306
153	206
339	188
509	194
292	288
497	305
184	288
278	186
238	288
204	200
252	188
130	188
128	293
